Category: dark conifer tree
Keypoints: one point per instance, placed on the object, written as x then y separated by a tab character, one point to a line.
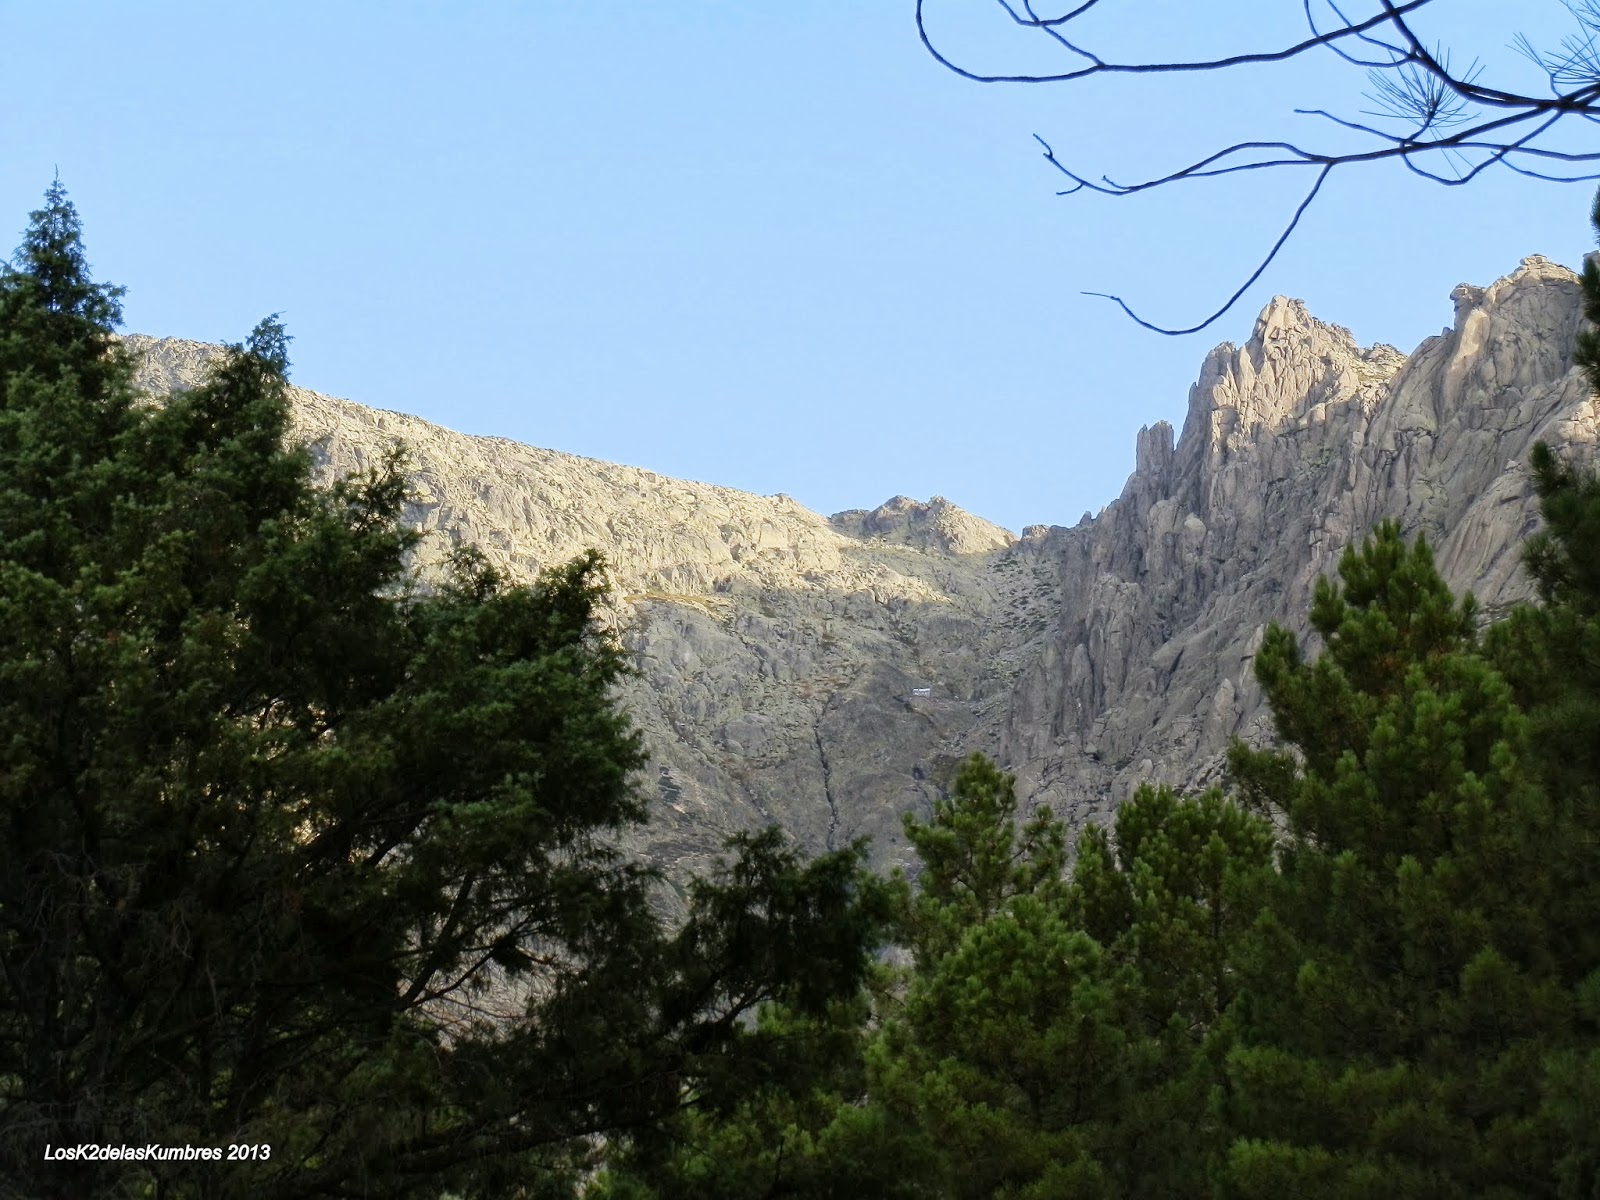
1402	986
298	854
1550	652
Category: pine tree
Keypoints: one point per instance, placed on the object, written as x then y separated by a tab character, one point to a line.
1550	653
973	859
1172	891
1055	1040
302	855
809	1132
1401	986
965	1064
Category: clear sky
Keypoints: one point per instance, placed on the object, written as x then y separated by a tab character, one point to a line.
773	246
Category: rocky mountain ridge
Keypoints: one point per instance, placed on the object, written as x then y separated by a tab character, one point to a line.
782	656
1295	444
778	651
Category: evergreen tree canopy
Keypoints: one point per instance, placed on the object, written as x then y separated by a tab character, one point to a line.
303	854
974	858
1053	1041
1402	984
1550	653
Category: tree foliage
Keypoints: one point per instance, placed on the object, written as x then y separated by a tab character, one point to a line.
973	859
302	852
1402	983
1055	1042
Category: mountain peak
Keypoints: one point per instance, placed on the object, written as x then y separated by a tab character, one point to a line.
936	525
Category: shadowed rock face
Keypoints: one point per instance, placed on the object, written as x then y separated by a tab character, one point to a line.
779	651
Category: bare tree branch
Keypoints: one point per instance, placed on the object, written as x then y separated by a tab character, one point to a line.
1245	286
1397	55
1472	125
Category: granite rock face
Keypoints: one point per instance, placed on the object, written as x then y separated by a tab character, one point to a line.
782	655
1295	444
778	651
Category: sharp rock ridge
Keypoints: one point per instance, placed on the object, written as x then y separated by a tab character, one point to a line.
1294	446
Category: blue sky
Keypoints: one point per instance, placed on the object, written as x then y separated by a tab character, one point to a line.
772	246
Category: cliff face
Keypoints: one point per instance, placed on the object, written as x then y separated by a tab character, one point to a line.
782	655
779	652
1295	444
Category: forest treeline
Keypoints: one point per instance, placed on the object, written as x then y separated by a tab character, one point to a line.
311	862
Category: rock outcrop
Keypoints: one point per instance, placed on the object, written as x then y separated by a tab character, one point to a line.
779	652
783	657
1295	445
